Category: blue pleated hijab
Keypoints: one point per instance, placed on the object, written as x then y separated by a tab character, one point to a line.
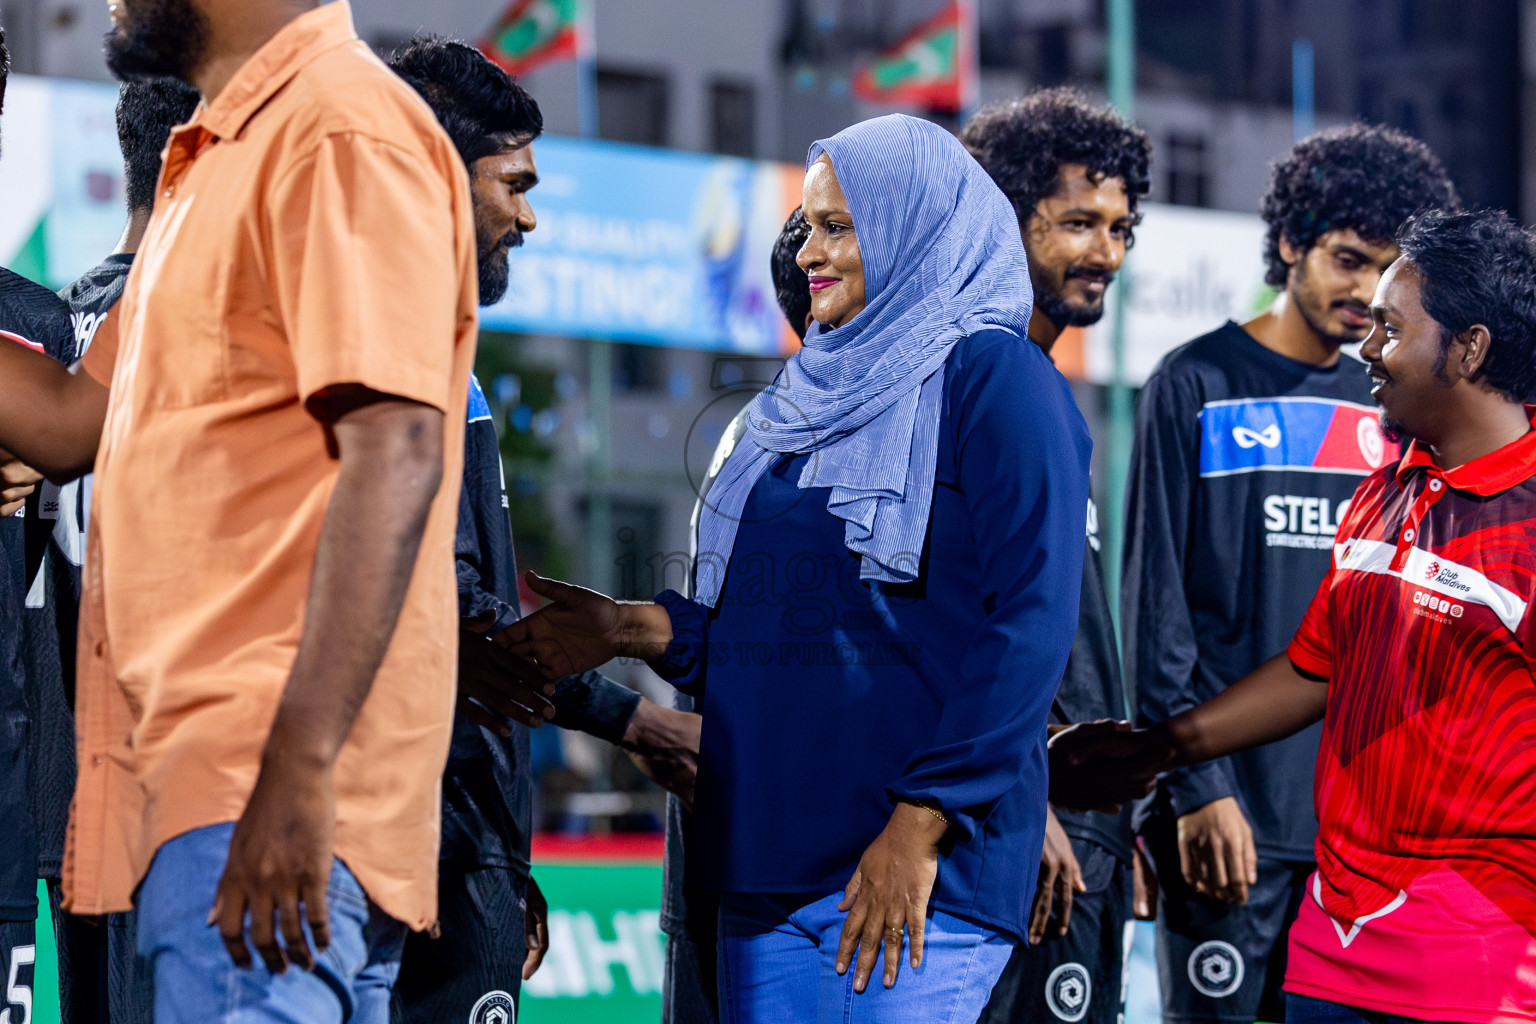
942	259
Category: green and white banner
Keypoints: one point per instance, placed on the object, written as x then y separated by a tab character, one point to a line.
61	178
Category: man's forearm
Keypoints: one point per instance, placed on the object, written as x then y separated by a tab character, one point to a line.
50	416
1270	703
391	457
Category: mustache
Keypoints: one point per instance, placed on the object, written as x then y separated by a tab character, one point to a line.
1105	277
1354	306
511	240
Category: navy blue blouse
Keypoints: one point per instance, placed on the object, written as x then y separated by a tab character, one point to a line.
826	698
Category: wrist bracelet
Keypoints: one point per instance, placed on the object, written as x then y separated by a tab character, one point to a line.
933	811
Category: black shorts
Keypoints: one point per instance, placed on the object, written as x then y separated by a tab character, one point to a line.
1077	978
102	978
1219	963
473	972
18	957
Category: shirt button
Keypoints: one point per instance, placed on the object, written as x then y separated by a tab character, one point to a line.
1408	534
98	760
1434	485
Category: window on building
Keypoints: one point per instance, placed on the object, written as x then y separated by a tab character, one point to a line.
733	118
632	107
1185	164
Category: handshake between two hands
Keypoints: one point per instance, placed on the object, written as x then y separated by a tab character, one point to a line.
1099	766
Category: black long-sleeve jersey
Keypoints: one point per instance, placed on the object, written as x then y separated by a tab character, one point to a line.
488	784
1093	688
1244	463
30	315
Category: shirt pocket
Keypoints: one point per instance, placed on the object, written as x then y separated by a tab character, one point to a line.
183	311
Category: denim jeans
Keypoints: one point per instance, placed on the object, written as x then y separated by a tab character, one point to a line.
778	963
197	983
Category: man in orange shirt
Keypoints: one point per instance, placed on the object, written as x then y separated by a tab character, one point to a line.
267	638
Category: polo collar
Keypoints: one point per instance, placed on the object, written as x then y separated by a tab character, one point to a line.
274	65
1487	475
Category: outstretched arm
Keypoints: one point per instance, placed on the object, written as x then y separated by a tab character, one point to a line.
1272	702
50	415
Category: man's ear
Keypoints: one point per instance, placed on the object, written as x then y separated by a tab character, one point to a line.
1289	254
1476	343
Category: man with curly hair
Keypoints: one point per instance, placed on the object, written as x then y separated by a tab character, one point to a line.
1250	442
1075	172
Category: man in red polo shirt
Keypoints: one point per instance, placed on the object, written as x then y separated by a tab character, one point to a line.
1419	655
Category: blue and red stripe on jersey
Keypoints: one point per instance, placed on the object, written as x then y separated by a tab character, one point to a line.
1425	899
1318	435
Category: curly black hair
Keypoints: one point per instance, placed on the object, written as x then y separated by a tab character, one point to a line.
478	104
147	110
790	285
1023	144
1368	178
5	68
1480	268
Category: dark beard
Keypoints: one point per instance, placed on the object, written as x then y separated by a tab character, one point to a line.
1063	314
1390	429
495	274
159	39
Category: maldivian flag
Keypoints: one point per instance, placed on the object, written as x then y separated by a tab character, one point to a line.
534	32
933	67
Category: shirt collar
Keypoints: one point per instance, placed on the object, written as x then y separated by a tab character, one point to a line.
1489	474
270	68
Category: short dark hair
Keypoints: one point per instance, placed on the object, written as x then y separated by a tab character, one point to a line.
790	285
5	68
478	104
1367	178
147	110
1023	144
1480	268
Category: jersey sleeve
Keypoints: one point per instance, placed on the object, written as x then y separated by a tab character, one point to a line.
366	271
1023	467
1161	649
1311	650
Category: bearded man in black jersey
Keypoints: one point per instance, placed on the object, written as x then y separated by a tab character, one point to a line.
1250	442
1075	172
30	315
493	933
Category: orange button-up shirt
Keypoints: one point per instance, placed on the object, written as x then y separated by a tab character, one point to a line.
312	229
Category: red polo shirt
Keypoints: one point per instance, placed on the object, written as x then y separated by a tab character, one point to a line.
1424	901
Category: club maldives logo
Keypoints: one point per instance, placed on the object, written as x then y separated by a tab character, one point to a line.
1430	573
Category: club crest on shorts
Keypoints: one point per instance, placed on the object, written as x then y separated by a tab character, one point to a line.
1216	968
1068	991
494	1008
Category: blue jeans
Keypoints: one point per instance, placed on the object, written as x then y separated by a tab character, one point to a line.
1306	1010
778	958
197	983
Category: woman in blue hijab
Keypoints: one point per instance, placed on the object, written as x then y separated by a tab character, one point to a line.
885	595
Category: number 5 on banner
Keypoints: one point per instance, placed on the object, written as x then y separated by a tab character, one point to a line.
16	994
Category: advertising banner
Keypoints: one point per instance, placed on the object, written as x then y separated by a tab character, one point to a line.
651	245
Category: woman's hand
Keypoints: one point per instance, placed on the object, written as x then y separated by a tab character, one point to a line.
581	629
890	891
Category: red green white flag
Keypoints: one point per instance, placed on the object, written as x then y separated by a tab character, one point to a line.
933	67
534	32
